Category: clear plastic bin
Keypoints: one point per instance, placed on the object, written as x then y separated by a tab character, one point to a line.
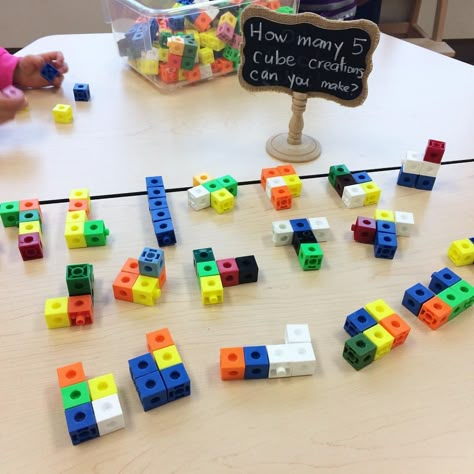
176	44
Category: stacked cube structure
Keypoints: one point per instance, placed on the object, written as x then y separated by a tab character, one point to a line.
355	189
91	407
420	172
375	330
382	231
305	235
219	193
294	358
461	252
281	185
213	275
159	375
141	280
80	230
446	297
27	216
77	309
159	211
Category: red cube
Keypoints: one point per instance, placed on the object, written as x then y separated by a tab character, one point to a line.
434	151
364	230
30	246
228	271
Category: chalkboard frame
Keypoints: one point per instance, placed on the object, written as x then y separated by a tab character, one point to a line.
257	11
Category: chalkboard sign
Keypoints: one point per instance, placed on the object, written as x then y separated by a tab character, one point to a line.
308	54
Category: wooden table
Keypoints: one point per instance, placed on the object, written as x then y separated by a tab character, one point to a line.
410	411
130	130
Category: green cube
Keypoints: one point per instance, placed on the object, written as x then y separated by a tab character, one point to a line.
310	256
95	233
229	183
359	351
287	9
212	185
10	213
76	394
190	48
187	63
79	279
205	269
335	171
459	296
164	36
231	54
30	216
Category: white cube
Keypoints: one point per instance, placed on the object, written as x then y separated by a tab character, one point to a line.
404	223
274	182
108	414
303	360
282	233
412	162
199	197
429	169
297	333
205	71
353	196
320	228
279	358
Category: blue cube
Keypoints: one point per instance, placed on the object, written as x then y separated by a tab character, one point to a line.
443	279
164	232
151	390
385	245
415	296
176	22
156	192
256	362
160	214
151	262
361	177
153	181
406	179
49	72
81	92
142	365
385	226
81	423
300	225
358	322
425	182
157	203
177	382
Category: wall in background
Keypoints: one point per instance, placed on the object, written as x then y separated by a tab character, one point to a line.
24	21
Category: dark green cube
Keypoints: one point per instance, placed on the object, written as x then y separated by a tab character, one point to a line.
79	279
95	233
10	213
337	170
203	255
359	351
30	216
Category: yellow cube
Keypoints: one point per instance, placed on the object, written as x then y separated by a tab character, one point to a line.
228	17
201	178
384	215
381	338
461	252
29	227
167	357
163	54
103	386
76	216
206	55
294	184
372	193
146	290
74	235
176	45
212	291
222	200
55	313
62	113
378	309
80	193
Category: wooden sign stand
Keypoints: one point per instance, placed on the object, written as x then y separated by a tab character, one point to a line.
305	55
294	147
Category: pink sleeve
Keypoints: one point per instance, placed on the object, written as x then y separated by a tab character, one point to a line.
7	66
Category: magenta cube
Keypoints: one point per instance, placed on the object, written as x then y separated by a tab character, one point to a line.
364	230
30	246
228	271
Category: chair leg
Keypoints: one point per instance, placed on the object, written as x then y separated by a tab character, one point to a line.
440	20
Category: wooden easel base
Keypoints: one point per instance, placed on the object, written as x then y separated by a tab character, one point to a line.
278	147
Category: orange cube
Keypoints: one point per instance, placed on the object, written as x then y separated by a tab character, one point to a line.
80	310
435	312
29	205
79	205
268	173
232	363
162	278
397	327
286	170
71	374
281	198
201	178
202	22
123	284
159	339
131	266
193	75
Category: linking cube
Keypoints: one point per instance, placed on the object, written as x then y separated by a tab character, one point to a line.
80	231
159	375
382	231
27	216
294	358
62	113
81	92
213	275
281	185
355	189
141	280
49	72
461	252
421	172
375	330
445	298
91	407
159	211
305	235
77	309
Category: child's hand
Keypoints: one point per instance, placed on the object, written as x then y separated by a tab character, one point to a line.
27	72
12	100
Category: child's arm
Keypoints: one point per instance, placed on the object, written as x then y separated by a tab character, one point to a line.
8	64
12	100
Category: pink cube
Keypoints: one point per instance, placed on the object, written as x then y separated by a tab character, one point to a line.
229	271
